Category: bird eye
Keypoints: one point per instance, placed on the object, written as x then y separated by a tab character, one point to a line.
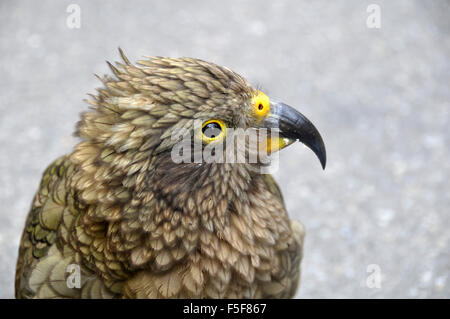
212	130
260	104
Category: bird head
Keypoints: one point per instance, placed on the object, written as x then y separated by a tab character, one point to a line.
135	122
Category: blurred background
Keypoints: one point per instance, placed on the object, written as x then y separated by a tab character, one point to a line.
379	96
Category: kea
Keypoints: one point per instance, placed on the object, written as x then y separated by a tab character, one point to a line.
123	217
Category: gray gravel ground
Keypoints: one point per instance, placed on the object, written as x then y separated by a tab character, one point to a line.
380	98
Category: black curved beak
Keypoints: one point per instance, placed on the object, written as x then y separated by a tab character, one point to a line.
293	125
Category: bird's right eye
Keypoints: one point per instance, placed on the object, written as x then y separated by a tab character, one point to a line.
213	130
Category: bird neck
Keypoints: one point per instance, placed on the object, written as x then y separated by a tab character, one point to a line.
204	190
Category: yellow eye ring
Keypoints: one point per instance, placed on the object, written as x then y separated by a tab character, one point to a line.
260	104
213	130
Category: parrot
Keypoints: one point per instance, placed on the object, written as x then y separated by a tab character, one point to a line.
121	217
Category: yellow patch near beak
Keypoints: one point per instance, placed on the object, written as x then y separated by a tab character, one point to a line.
272	145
